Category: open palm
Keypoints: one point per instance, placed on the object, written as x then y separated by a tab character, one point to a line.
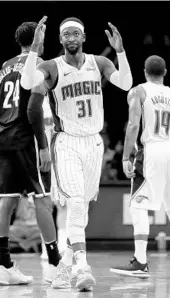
39	33
115	38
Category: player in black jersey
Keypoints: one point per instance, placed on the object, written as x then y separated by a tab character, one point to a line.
24	158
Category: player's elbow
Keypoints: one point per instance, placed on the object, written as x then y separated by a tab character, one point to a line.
127	82
25	82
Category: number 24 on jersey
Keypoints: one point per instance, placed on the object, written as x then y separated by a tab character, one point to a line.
12	94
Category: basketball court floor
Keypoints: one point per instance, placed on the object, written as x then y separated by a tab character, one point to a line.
108	284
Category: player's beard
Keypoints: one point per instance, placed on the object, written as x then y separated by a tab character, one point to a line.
72	51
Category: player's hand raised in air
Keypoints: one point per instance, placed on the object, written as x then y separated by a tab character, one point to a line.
128	168
45	161
39	33
115	38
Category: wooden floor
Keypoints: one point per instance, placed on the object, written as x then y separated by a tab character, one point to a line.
108	284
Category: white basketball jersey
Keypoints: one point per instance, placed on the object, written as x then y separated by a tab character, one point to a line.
156	113
78	97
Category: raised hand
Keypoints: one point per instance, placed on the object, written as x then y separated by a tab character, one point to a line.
39	33
115	38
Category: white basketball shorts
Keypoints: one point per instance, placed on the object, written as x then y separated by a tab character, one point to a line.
77	165
151	185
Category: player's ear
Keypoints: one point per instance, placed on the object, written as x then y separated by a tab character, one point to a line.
84	37
60	39
165	72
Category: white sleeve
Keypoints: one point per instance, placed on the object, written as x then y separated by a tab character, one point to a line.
123	77
30	76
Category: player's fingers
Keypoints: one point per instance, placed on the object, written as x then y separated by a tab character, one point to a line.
41	25
42	21
43	28
112	27
108	34
47	166
130	176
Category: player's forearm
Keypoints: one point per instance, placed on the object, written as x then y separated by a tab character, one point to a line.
30	76
130	140
122	78
36	119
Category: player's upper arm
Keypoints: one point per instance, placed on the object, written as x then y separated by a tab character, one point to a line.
50	71
44	68
105	65
135	106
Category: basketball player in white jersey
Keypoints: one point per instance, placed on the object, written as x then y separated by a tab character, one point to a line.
150	171
77	148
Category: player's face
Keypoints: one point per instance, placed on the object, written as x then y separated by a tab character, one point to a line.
72	39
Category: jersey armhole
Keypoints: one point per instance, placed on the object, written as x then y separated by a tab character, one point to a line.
56	80
97	67
142	99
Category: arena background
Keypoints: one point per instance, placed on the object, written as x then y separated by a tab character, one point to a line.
144	27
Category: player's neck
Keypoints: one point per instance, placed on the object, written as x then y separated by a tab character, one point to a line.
156	80
25	50
76	60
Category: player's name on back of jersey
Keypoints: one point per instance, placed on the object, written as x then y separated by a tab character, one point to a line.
161	99
17	67
81	88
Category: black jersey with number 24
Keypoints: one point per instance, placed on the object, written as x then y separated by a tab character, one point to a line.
15	130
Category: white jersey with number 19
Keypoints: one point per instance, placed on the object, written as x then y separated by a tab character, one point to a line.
78	97
156	113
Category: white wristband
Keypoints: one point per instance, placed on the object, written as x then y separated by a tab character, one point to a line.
123	77
29	71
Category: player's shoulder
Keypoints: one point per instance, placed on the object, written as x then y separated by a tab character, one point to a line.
137	92
9	62
48	65
101	59
101	62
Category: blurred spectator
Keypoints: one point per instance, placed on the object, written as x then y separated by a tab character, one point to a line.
116	163
166	40
24	232
104	130
148	39
108	155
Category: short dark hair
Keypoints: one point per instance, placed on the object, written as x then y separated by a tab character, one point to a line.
73	19
25	33
155	66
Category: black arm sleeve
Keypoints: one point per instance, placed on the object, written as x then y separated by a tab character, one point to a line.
35	117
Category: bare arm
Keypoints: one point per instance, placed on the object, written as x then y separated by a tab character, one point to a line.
135	100
105	66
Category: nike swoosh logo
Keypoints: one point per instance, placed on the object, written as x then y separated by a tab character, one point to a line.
99	144
67	73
